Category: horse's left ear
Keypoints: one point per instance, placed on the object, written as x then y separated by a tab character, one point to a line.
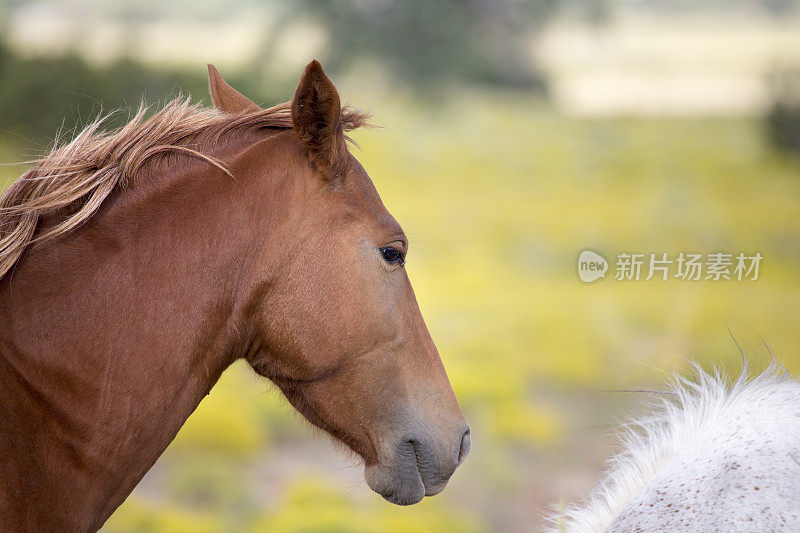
317	119
226	98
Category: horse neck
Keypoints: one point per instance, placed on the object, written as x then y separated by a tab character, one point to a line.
111	336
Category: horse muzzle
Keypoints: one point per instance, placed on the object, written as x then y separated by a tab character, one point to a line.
417	465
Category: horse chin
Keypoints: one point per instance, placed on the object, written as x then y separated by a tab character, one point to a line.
400	484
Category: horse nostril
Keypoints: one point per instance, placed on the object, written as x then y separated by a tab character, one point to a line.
463	451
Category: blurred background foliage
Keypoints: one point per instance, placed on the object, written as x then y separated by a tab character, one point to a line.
428	44
514	135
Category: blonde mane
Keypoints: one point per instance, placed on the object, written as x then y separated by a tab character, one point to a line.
81	174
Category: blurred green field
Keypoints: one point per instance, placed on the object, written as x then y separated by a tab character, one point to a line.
498	197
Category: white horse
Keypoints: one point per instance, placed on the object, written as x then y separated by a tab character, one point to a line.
711	457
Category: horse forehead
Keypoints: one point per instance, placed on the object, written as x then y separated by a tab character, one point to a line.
361	195
359	182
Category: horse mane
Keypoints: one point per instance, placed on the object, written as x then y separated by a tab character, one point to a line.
689	407
83	173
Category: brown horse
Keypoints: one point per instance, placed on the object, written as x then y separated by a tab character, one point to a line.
136	265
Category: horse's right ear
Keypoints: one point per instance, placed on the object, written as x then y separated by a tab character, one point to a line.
226	98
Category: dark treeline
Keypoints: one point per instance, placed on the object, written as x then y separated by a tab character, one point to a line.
426	45
783	118
40	96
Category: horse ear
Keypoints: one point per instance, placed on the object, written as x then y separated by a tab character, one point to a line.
316	116
226	98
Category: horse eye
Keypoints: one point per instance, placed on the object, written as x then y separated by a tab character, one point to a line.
393	255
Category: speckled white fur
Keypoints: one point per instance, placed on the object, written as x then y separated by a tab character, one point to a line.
711	457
